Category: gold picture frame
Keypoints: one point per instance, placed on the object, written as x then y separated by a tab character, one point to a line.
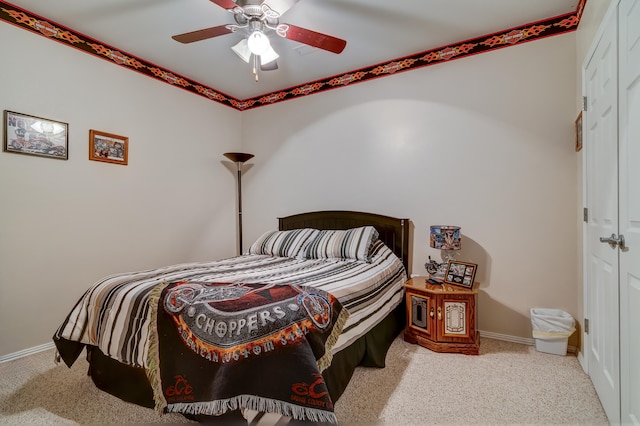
108	147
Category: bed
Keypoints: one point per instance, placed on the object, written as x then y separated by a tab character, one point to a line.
345	269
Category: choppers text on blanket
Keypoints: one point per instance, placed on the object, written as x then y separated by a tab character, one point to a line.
224	346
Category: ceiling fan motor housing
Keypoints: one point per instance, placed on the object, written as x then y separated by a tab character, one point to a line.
255	13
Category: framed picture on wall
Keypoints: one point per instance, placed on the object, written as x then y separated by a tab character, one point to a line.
461	274
108	147
27	134
578	126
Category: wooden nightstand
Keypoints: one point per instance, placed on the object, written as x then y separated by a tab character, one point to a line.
441	318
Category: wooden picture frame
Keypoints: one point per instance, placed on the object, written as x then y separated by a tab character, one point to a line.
461	274
108	148
578	128
31	135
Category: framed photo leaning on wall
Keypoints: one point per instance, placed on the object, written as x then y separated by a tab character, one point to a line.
461	274
27	134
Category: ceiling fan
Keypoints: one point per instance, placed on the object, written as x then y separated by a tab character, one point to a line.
257	19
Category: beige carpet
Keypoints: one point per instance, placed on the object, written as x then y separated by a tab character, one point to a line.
507	383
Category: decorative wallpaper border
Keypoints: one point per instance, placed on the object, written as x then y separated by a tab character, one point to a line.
486	43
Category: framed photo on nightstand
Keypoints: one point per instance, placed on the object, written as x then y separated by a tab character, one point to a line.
460	273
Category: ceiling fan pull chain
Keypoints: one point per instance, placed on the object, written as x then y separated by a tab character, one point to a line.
255	67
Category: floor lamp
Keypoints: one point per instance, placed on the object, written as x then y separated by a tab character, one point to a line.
239	158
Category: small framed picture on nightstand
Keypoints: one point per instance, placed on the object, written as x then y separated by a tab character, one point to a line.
460	273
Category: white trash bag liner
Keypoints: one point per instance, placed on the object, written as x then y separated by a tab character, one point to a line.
551	323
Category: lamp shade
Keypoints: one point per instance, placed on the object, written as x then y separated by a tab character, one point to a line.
238	157
445	237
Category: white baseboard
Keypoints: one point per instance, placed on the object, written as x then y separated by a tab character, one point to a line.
27	352
583	361
516	339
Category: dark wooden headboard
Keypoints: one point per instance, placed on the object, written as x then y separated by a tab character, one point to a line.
393	232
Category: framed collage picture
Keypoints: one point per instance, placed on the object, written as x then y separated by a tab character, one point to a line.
461	274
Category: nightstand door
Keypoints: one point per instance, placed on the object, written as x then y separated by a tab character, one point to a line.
455	318
421	314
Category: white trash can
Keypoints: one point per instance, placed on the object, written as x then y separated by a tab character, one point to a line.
551	330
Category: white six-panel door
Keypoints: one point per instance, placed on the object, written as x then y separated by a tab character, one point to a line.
629	206
601	144
612	139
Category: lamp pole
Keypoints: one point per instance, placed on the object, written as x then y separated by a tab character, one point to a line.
239	158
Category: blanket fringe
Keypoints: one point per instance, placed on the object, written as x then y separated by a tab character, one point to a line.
255	403
153	358
325	361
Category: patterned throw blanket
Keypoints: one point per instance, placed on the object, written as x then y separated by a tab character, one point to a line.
226	346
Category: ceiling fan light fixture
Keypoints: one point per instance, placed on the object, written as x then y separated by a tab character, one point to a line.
268	56
258	43
242	50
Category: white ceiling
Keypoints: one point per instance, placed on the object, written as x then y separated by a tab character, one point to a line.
375	30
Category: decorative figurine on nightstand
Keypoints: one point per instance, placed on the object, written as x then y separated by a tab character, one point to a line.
447	239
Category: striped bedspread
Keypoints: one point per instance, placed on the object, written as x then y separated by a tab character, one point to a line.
114	314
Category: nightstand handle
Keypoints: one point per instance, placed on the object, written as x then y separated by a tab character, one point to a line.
439	313
431	312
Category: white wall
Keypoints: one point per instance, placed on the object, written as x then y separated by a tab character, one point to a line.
66	224
485	143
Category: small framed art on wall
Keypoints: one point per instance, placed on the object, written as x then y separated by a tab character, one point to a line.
108	147
578	126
